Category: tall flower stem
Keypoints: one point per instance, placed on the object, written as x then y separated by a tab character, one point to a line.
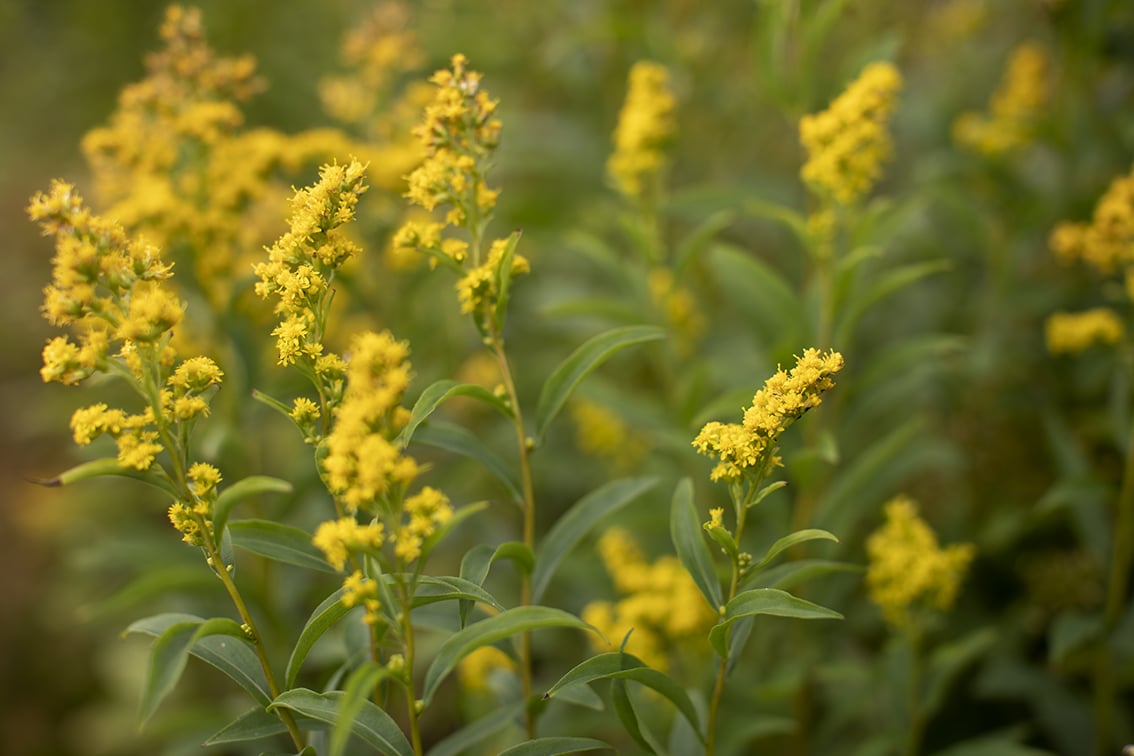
528	503
411	700
722	669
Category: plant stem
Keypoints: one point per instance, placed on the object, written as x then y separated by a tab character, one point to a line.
497	344
913	696
722	670
411	699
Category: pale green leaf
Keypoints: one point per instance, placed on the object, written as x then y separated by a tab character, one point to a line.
280	542
97	468
499	719
325	616
254	724
241	490
768	601
792	539
689	541
439	392
456	439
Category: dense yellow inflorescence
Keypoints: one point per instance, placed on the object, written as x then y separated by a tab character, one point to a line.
1073	332
660	602
784	398
1107	241
848	142
1015	107
646	126
908	571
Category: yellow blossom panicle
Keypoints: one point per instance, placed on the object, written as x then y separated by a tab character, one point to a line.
908	571
342	538
303	262
750	446
646	127
1107	241
848	142
1073	332
423	513
480	289
1015	107
363	466
602	434
660	602
476	670
363	591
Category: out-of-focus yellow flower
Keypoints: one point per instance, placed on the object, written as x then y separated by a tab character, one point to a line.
1015	107
785	397
1107	241
1072	332
601	433
679	308
475	670
908	570
849	141
646	126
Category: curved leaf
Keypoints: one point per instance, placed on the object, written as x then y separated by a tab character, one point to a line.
885	286
799	536
521	619
699	238
253	724
556	745
688	540
770	303
372	724
243	489
578	520
478	730
563	380
437	393
110	466
504	276
624	708
356	694
454	438
280	542
329	612
477	561
452	589
768	601
775	211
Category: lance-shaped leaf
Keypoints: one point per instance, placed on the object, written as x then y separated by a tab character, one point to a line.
504	276
799	536
768	601
570	373
241	490
170	653
355	696
578	521
325	616
97	468
478	730
440	391
454	438
724	539
277	541
556	745
688	539
253	724
371	724
521	619
479	559
622	666
431	590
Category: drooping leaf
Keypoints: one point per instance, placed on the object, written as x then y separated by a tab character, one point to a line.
792	539
96	468
521	619
556	745
325	616
689	541
478	730
241	490
768	601
578	521
479	559
356	694
431	590
254	724
280	542
775	211
570	373
371	724
439	392
456	439
624	708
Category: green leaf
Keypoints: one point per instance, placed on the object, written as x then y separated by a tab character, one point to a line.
781	213
356	694
791	574
459	516
616	665
504	278
884	286
556	745
688	540
724	539
799	536
325	616
773	309
480	558
372	724
577	522
567	376
280	542
241	490
624	708
521	619
451	589
159	581
170	653
768	601
270	401
440	391
481	729
155	476
237	660
456	439
766	491
254	724
699	238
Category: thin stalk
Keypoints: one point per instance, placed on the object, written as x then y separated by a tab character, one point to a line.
722	670
411	699
528	492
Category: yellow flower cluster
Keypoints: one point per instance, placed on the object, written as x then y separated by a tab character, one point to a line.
193	519
423	513
908	570
303	261
1073	332
1015	107
661	603
602	434
339	539
849	141
646	125
751	444
363	591
476	669
1107	242
678	307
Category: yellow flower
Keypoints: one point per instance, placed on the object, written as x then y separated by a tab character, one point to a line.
602	434
1071	332
1015	107
678	306
338	539
1107	242
849	141
646	125
479	290
423	512
908	570
476	669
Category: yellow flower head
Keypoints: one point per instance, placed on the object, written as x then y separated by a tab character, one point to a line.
1107	242
849	141
646	125
1015	107
1072	332
601	433
339	539
784	398
475	670
423	513
908	570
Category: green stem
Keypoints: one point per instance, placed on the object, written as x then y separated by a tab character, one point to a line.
914	697
722	669
411	699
